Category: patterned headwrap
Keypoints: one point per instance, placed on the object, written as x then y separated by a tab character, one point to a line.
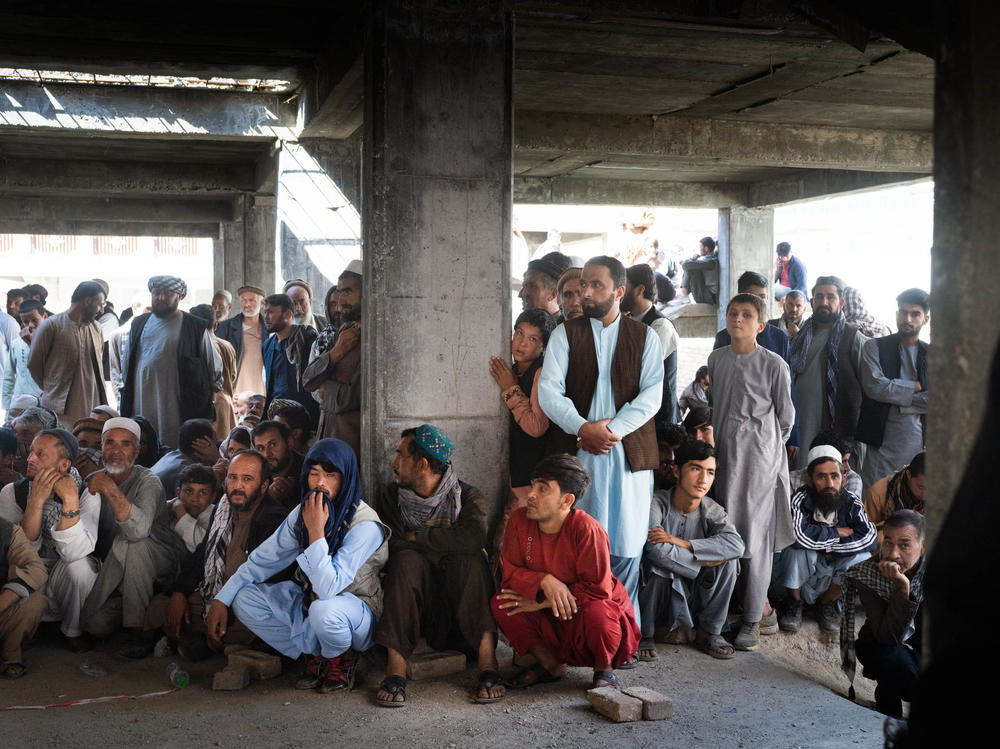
434	441
170	283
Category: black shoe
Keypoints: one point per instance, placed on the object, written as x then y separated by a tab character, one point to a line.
194	649
138	645
790	620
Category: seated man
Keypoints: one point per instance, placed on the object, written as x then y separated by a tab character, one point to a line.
21	603
270	439
60	524
438	583
851	482
142	550
668	439
191	510
691	560
196	444
300	431
559	600
244	518
88	439
903	490
329	611
890	587
832	534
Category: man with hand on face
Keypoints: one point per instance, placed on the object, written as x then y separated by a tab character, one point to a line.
691	558
890	587
286	354
135	541
241	521
329	611
602	384
270	439
191	510
171	370
793	314
559	599
246	333
60	523
65	357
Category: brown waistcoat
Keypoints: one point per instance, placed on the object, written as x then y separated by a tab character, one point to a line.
626	368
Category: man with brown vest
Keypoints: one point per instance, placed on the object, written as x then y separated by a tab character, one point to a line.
602	383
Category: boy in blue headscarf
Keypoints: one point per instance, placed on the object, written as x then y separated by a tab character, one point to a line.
329	611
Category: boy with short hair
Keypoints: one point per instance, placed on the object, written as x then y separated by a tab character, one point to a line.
191	509
753	416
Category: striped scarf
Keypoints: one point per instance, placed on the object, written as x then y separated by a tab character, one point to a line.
216	544
800	353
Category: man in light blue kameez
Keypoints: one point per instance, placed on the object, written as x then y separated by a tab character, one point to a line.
601	383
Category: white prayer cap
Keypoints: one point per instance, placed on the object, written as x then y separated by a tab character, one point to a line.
354	266
824	451
121	422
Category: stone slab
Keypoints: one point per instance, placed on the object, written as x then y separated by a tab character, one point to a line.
434	663
260	665
614	704
231	678
655	706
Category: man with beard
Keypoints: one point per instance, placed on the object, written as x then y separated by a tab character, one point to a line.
241	521
246	333
570	299
793	314
286	354
639	303
602	383
270	439
171	370
438	583
691	557
135	543
826	368
903	490
894	377
60	524
301	295
832	534
222	303
65	357
539	287
335	365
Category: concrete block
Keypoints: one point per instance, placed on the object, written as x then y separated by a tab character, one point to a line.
231	678
260	665
655	706
430	664
615	704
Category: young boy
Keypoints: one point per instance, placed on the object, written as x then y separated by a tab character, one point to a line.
752	416
192	509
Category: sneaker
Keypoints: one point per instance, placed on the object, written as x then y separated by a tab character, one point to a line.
791	616
338	674
829	617
769	623
747	639
315	673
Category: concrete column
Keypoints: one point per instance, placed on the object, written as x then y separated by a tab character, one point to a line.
746	242
319	223
245	251
436	217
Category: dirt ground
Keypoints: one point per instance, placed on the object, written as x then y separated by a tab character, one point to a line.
749	701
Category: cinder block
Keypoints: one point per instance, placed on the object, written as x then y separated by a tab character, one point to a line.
429	664
615	704
260	665
655	706
231	678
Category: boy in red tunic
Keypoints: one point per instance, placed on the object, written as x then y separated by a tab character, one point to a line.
559	600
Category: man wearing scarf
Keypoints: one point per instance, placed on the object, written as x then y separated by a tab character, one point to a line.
832	534
242	520
438	582
60	524
903	490
890	587
826	369
329	611
301	294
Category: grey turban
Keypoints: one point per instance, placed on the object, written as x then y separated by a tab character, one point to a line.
170	283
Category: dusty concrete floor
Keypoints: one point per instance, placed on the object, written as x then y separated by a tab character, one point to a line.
750	701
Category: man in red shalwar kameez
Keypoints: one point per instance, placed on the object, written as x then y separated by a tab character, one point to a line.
559	600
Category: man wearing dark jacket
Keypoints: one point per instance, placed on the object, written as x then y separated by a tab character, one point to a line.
246	332
437	582
242	520
286	354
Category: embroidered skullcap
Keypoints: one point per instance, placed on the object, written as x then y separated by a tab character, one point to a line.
170	283
434	441
355	266
298	282
68	440
252	289
23	401
224	293
279	403
553	264
121	422
824	451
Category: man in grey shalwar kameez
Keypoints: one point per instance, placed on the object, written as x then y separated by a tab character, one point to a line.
690	561
894	379
752	417
135	527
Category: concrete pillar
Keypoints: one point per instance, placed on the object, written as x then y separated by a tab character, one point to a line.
436	217
245	250
746	242
319	221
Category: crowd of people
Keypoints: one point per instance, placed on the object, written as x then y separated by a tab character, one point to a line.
189	480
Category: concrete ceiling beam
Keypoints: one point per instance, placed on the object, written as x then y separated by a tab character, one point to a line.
108	228
820	183
580	191
53	208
